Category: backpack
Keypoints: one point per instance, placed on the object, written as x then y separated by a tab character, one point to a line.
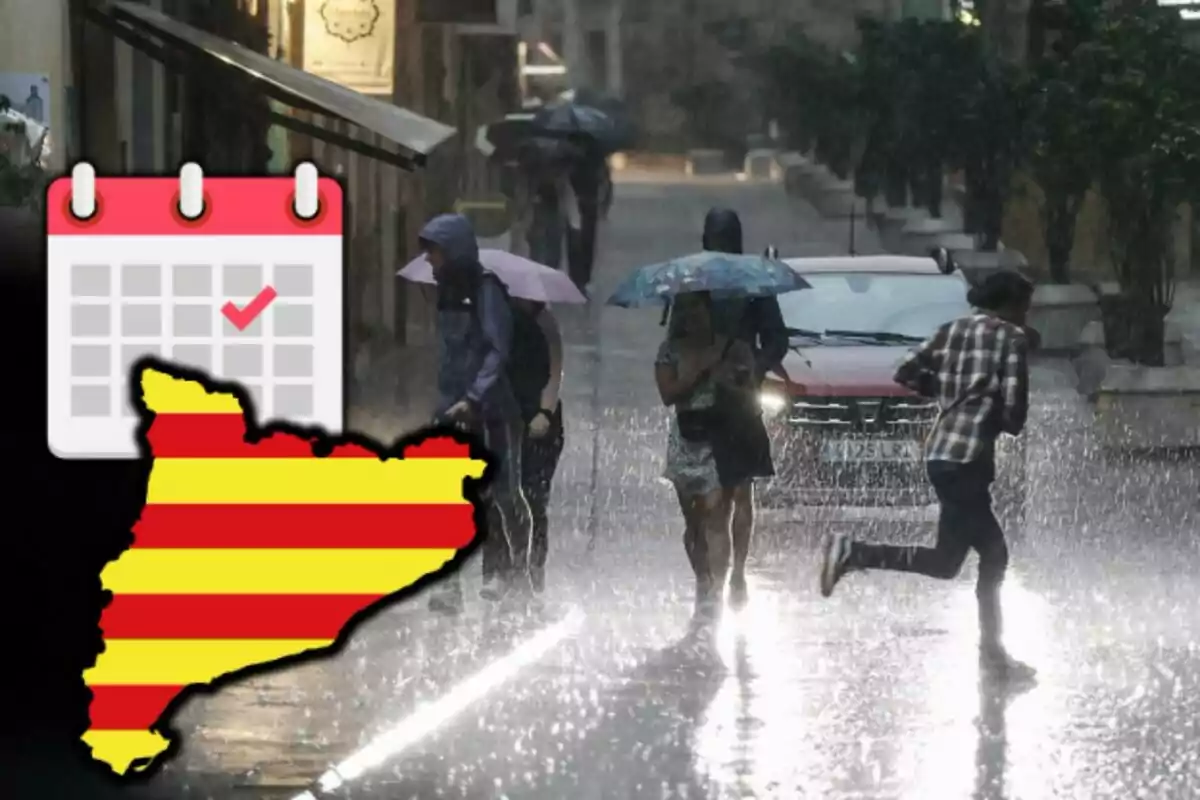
489	276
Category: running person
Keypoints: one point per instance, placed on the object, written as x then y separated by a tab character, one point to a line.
976	368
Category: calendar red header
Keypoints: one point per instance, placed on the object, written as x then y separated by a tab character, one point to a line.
134	206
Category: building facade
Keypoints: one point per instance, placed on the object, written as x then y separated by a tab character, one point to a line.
125	98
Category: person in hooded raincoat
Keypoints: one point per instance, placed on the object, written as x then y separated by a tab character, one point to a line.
759	323
475	331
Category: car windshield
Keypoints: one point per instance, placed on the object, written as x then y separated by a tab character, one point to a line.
889	307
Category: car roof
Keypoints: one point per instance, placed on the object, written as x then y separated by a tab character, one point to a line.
908	265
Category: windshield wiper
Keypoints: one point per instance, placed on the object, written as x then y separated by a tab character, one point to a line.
803	332
884	337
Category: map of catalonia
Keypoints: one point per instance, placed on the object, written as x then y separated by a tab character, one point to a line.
255	546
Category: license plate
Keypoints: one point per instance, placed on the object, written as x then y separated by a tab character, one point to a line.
841	450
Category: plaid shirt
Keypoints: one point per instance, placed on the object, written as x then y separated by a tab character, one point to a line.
976	369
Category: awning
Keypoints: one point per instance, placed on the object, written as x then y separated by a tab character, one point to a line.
185	48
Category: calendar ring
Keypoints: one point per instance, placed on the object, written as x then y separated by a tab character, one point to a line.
83	222
315	219
191	223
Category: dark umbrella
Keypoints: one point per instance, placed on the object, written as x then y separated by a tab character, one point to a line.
580	122
625	133
503	138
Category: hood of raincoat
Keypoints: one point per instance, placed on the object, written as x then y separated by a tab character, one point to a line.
455	235
722	231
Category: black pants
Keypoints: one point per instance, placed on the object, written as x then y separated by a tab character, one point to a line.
581	244
539	461
506	544
546	232
966	522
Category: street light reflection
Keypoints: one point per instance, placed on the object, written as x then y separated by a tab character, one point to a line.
979	737
429	718
749	742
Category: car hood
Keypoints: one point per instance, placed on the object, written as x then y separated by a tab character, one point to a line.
847	371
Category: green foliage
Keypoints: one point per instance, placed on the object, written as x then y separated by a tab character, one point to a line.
1112	102
1058	90
931	100
989	117
1143	137
1059	163
812	92
789	72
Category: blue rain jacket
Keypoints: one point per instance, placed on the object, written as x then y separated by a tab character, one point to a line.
474	324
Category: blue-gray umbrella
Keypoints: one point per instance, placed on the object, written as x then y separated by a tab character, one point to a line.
723	274
580	121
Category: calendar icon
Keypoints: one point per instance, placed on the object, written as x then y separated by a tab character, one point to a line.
241	278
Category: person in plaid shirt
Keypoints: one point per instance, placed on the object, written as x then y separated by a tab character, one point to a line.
976	368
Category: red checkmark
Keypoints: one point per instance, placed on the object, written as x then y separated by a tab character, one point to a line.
241	318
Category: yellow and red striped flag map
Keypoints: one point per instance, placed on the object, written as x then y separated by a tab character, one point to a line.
255	546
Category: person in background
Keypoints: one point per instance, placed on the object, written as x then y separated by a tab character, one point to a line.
759	323
551	206
693	363
546	232
536	375
977	370
518	193
587	178
475	330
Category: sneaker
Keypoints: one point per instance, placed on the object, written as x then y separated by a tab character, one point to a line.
998	664
738	593
833	562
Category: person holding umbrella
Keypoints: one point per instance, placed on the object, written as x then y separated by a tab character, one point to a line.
474	325
695	363
595	135
551	210
709	378
535	375
758	322
586	179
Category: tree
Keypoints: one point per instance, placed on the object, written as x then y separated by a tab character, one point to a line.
1058	93
1144	138
986	140
1058	160
887	84
941	57
837	116
788	71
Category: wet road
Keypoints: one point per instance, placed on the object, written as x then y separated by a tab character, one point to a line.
871	694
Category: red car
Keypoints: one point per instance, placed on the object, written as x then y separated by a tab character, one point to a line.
847	439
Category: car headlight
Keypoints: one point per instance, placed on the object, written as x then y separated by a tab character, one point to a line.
772	402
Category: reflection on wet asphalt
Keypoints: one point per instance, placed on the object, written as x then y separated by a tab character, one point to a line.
873	693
